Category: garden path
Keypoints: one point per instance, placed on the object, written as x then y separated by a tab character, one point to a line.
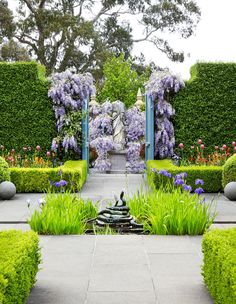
119	268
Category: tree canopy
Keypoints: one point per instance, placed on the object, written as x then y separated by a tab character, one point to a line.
83	33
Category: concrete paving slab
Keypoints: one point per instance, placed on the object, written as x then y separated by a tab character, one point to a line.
120	278
121	298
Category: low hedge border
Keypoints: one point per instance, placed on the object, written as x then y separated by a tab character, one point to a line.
219	268
212	175
38	179
19	261
229	171
4	170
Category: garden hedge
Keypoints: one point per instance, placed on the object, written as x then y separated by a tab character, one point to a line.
38	179
206	107
27	117
219	268
211	175
229	171
19	260
4	170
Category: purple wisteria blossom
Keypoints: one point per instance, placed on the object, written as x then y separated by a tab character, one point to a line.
161	85
134	162
68	92
135	132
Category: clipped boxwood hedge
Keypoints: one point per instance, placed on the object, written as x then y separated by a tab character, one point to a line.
27	117
206	107
212	175
4	170
229	171
219	268
19	260
38	179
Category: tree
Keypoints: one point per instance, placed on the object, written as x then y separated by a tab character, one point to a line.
83	33
13	51
122	81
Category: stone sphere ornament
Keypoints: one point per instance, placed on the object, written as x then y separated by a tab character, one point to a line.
230	191
7	190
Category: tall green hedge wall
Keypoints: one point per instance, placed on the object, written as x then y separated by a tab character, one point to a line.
206	107
27	116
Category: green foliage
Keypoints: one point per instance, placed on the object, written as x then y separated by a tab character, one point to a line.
219	268
121	81
38	179
229	171
59	33
211	175
206	107
4	170
19	260
62	213
27	117
174	212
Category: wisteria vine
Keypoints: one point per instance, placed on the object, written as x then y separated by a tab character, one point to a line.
161	86
68	91
135	132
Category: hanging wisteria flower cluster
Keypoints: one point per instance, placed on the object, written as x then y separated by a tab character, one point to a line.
135	132
161	86
101	131
68	92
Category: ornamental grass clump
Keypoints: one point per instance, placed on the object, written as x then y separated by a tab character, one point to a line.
62	213
172	209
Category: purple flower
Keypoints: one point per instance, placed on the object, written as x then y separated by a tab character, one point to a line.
154	170
199	191
187	188
179	182
164	173
199	182
181	175
61	183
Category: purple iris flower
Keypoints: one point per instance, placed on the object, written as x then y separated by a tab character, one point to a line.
164	173
181	175
199	182
61	183
199	191
179	182
187	188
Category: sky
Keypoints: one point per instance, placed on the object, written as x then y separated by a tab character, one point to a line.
214	39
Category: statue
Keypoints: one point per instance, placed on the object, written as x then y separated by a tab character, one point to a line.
118	116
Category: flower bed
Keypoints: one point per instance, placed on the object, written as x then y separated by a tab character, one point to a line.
19	260
211	175
172	209
219	269
38	179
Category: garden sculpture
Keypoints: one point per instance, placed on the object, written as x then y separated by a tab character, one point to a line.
118	117
118	218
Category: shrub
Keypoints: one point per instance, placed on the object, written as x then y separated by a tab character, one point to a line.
229	171
4	170
211	175
206	107
219	268
38	179
121	81
62	213
19	260
27	117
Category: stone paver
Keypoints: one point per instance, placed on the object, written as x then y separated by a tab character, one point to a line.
120	269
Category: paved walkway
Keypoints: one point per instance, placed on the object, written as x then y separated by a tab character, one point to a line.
120	269
117	269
